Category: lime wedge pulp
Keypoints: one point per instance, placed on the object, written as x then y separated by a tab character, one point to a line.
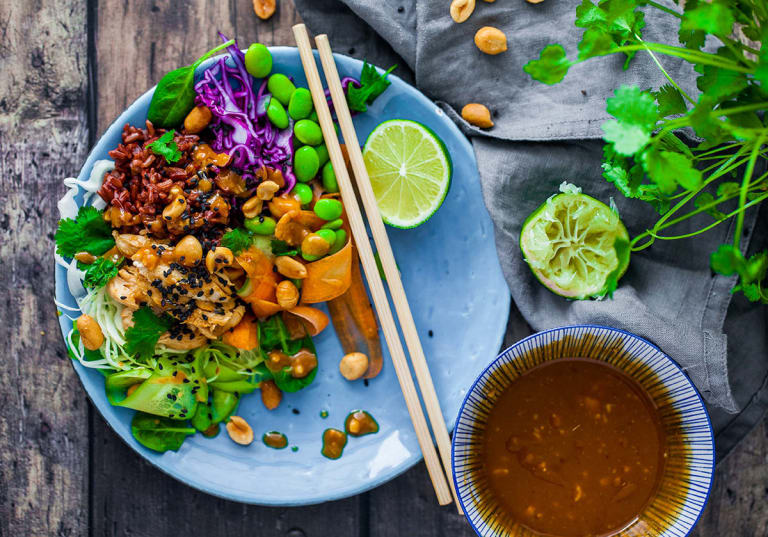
568	242
410	171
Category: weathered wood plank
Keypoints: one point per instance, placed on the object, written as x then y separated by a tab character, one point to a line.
165	38
43	138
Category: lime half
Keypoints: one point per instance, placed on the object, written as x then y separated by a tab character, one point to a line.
569	244
410	171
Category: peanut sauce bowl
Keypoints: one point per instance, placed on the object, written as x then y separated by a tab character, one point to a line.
683	476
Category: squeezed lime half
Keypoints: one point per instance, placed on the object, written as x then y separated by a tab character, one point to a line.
568	242
410	171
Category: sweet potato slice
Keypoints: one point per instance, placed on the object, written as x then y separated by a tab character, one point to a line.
329	277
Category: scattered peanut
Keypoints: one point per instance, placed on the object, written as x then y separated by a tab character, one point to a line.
90	332
287	294
478	115
188	251
531	1
353	365
175	208
462	9
313	244
252	207
218	258
239	430
266	190
264	9
291	268
270	394
491	40
85	257
197	119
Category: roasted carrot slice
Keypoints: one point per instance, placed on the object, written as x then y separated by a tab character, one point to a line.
328	277
264	280
314	319
245	334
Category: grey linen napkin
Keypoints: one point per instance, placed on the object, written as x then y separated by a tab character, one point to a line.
668	295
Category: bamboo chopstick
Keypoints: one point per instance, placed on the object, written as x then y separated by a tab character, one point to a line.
384	248
375	284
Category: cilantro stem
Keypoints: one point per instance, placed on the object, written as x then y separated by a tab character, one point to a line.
665	9
744	187
664	71
738	109
715	150
689	55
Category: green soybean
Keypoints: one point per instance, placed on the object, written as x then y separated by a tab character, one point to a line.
322	153
328	209
303	193
305	163
338	244
333	224
276	114
258	60
310	257
328	235
281	87
308	132
329	178
300	105
260	225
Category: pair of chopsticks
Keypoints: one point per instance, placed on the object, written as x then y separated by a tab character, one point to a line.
444	488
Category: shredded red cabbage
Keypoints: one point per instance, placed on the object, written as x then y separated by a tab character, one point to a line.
240	125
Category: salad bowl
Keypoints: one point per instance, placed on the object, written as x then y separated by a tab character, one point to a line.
460	304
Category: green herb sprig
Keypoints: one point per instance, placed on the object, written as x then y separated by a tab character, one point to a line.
645	159
372	84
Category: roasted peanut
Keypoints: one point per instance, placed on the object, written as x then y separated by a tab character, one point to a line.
266	190
353	365
270	394
85	257
462	9
218	258
477	114
197	119
491	40
252	207
314	245
175	208
239	430
531	1
264	9
188	251
90	332
287	294
290	268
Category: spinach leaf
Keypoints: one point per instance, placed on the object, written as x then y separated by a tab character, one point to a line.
174	96
288	383
272	333
159	434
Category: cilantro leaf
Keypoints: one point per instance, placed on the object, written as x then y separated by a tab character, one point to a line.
704	199
712	17
668	169
551	67
704	124
236	240
692	39
726	260
88	232
761	73
720	83
636	114
141	338
594	42
616	169
100	272
165	146
588	15
670	101
282	248
728	188
372	84
670	142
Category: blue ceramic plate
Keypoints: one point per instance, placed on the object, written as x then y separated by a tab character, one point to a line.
687	479
459	300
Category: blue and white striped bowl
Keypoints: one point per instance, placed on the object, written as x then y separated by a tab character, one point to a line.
687	478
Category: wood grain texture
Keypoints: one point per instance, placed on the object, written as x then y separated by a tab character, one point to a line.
43	413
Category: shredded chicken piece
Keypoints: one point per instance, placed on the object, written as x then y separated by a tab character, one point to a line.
128	244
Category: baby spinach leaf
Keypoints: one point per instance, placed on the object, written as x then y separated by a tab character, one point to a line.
287	382
159	434
174	96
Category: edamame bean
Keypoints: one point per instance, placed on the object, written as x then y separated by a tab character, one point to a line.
333	224
261	225
258	60
276	114
281	87
303	193
328	209
308	132
328	235
310	257
300	105
329	178
305	163
322	153
338	244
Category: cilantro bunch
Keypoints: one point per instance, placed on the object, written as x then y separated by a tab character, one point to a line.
643	156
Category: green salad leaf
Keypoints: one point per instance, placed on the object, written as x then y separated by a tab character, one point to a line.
88	232
283	378
166	147
372	84
141	338
159	434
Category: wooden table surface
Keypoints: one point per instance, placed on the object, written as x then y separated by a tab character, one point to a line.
68	68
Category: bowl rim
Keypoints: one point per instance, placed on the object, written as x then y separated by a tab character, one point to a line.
541	333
